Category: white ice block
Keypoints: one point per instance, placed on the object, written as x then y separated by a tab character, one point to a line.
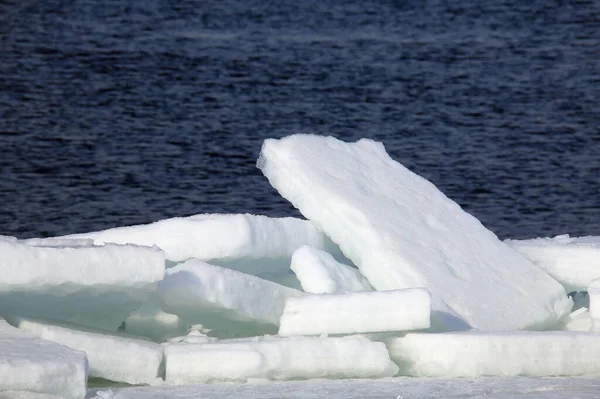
474	354
573	261
28	363
579	320
278	359
152	322
218	236
113	357
357	312
92	286
319	273
594	293
402	232
223	300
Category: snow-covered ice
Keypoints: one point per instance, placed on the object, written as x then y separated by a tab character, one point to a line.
278	359
357	312
473	354
402	232
152	322
573	261
28	363
113	357
320	273
228	302
93	286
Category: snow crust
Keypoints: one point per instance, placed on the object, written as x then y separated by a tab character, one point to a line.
34	365
228	302
357	312
573	261
473	354
92	286
116	358
320	273
402	232
278	359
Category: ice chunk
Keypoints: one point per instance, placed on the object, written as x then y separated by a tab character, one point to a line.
402	232
357	312
116	358
579	320
573	261
223	300
152	322
92	286
594	293
278	359
28	363
474	354
320	273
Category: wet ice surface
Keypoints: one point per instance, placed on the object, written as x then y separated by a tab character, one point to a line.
387	388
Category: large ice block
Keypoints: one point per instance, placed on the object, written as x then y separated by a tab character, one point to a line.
474	354
402	232
573	261
278	359
254	244
228	302
320	273
92	286
357	312
28	363
113	357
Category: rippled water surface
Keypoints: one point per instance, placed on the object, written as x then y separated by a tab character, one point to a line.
123	112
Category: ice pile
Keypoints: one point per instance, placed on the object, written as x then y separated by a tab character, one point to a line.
402	232
411	272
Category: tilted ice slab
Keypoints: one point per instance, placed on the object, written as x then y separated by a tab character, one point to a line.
28	363
320	273
402	232
226	301
116	358
357	312
278	359
573	261
594	292
579	320
92	286
474	354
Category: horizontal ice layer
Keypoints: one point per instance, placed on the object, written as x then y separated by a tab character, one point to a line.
28	363
152	322
320	273
357	312
402	232
254	244
474	354
116	358
573	261
226	301
278	359
92	286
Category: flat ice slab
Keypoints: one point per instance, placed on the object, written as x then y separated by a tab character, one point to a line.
402	232
92	286
320	273
28	363
357	312
474	354
278	359
226	301
573	261
116	358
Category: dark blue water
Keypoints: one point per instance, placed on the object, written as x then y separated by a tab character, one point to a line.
124	112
